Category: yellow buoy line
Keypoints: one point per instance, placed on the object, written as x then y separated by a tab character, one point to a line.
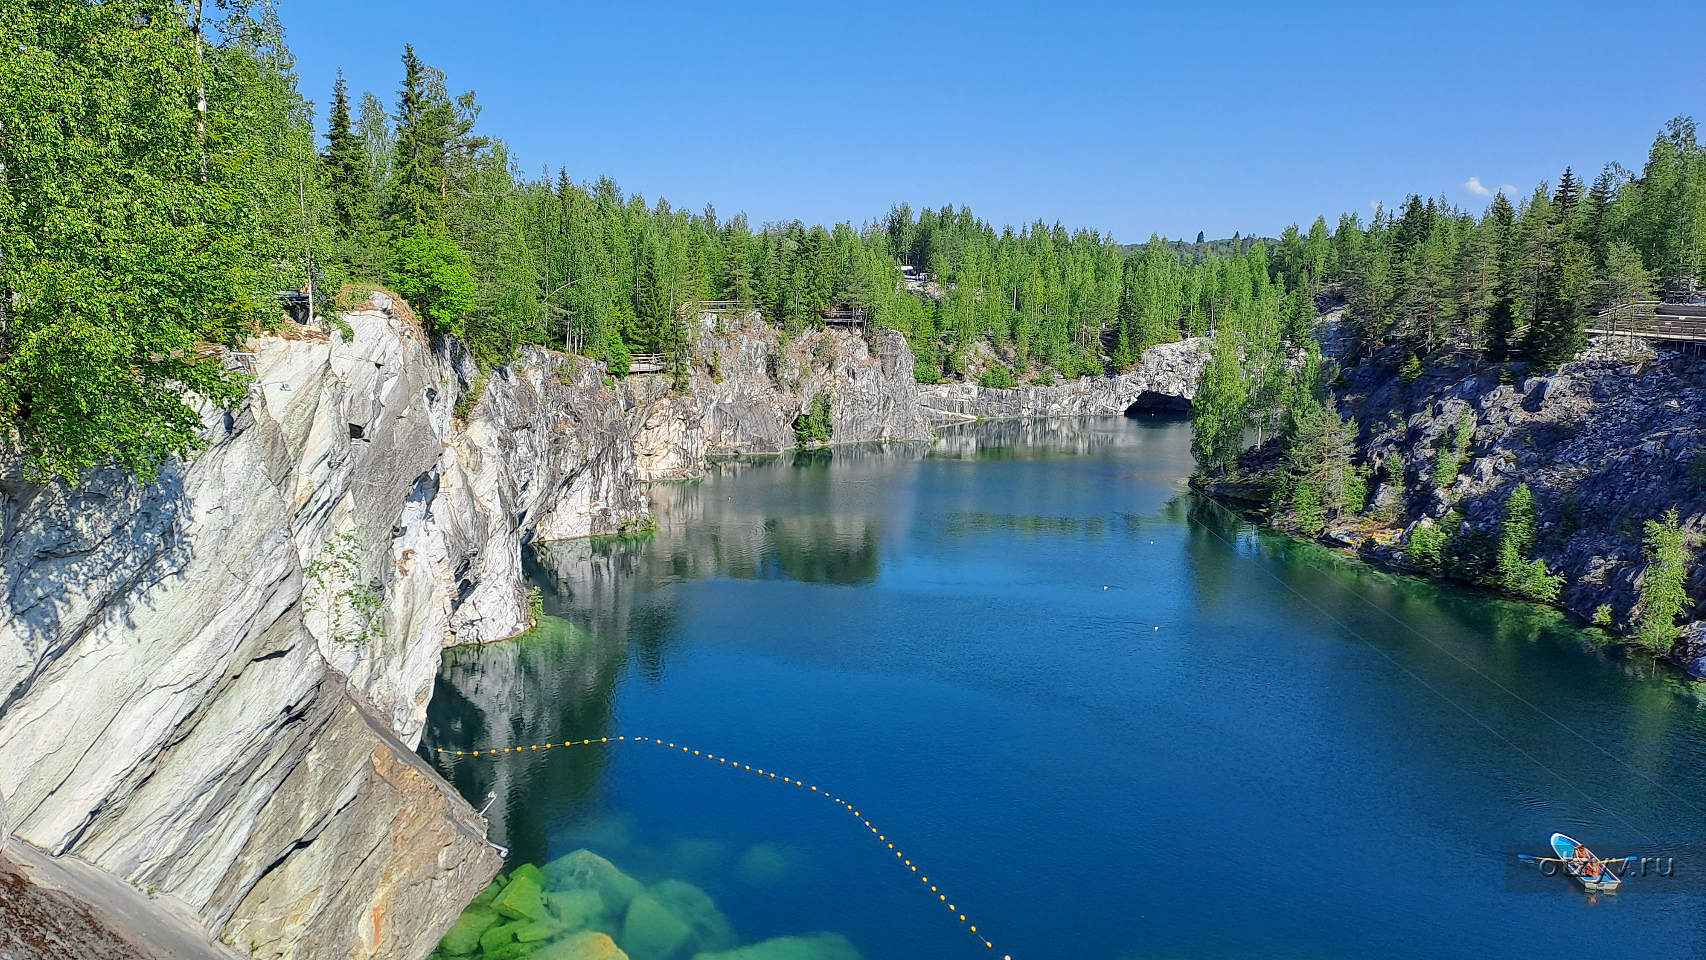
899	855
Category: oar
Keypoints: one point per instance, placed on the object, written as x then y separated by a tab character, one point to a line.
1584	860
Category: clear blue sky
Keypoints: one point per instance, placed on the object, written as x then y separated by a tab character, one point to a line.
1127	117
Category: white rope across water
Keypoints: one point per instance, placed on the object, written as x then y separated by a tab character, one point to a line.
905	861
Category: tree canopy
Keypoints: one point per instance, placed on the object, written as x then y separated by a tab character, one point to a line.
163	184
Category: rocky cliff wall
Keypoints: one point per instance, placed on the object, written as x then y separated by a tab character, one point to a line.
747	385
1607	442
1166	373
192	696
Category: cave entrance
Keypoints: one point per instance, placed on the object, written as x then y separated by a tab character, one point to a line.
1149	403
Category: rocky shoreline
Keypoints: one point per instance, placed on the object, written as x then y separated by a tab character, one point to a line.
220	677
1605	443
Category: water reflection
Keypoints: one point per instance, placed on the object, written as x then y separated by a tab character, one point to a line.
531	690
964	635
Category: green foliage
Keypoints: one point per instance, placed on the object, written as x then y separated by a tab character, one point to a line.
1043	379
926	371
431	272
815	425
1602	615
1516	573
999	376
1669	552
1318	481
1219	413
470	398
1410	370
350	607
1308	511
134	230
135	233
1427	547
535	606
1451	457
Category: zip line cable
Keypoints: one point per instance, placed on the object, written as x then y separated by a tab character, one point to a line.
1435	690
1471	667
905	861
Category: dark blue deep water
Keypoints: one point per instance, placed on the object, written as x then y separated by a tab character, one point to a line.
1308	759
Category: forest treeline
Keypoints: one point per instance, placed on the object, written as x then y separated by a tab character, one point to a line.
164	182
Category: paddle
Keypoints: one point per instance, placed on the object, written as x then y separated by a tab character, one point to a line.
1531	857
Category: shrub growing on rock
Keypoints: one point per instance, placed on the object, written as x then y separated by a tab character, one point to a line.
815	425
1670	553
1519	575
1426	549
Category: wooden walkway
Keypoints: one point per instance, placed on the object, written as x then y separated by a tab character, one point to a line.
693	308
1653	320
647	363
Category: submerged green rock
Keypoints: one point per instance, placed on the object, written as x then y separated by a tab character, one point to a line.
464	937
822	946
694	907
764	864
583	907
585	870
586	945
651	931
576	909
523	898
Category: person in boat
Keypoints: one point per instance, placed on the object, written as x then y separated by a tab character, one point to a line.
1585	862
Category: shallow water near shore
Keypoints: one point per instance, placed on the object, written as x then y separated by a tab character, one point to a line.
1308	757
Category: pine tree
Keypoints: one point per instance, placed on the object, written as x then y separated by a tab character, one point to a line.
348	167
1565	199
1594	226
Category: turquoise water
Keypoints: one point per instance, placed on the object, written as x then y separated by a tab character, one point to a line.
1308	758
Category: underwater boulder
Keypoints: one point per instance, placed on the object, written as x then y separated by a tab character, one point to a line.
585	870
694	907
651	931
764	864
464	936
822	946
522	899
576	909
532	931
585	945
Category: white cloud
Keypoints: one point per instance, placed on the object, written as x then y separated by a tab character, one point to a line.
1508	189
1473	185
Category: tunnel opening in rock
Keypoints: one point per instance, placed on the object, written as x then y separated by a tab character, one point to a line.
1150	402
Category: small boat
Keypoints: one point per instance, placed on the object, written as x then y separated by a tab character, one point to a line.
1590	871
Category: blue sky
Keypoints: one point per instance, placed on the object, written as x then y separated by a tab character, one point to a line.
1129	118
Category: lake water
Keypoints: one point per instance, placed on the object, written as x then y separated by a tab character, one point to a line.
1308	758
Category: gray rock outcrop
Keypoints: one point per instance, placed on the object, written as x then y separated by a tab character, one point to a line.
747	387
1606	442
211	685
1166	376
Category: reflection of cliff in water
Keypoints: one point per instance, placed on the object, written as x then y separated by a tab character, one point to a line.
556	683
1038	439
812	516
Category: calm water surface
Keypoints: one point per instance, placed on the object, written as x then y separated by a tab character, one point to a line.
1308	759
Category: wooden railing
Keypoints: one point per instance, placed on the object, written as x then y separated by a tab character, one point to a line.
844	317
647	363
694	307
1653	320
